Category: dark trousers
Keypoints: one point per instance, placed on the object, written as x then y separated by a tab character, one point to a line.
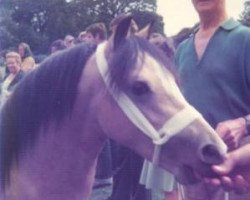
127	174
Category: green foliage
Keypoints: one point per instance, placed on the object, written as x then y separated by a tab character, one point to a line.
245	15
8	29
39	22
142	18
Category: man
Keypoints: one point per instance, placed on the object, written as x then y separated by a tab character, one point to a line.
96	33
214	69
103	186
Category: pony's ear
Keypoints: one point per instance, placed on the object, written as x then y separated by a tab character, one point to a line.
145	31
122	31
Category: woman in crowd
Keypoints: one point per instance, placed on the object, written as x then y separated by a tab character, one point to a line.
13	63
28	62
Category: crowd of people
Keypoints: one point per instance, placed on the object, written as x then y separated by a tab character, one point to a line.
213	68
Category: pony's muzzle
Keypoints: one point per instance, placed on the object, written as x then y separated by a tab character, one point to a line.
210	154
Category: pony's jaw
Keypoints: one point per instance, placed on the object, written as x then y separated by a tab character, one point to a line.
190	175
186	176
189	159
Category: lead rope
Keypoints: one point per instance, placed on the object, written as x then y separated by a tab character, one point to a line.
226	196
181	194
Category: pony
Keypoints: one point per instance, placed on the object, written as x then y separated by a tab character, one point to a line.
57	120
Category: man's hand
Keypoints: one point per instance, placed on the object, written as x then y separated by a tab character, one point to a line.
231	177
232	131
234	173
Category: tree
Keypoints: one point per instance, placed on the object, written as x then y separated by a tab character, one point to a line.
8	29
15	28
41	22
106	10
245	15
142	18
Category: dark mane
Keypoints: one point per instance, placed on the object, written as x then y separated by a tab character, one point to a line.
46	93
125	58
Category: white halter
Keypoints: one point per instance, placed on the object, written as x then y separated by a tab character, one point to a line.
173	126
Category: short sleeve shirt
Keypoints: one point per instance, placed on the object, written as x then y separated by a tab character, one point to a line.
218	84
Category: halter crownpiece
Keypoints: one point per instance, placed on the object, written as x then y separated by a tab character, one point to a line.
171	127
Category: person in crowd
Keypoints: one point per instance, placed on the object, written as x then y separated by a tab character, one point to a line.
57	45
234	172
82	36
214	69
96	33
28	62
103	185
3	67
69	41
13	63
164	43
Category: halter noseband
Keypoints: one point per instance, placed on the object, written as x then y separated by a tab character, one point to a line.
171	127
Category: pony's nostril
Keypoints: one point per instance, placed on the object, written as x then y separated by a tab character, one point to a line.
211	154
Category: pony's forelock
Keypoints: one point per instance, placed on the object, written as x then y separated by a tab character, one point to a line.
124	59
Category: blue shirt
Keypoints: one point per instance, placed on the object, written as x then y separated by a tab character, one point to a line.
218	84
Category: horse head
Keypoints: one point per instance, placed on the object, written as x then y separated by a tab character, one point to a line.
145	110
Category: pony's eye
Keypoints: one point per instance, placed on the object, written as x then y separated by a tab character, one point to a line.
140	88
